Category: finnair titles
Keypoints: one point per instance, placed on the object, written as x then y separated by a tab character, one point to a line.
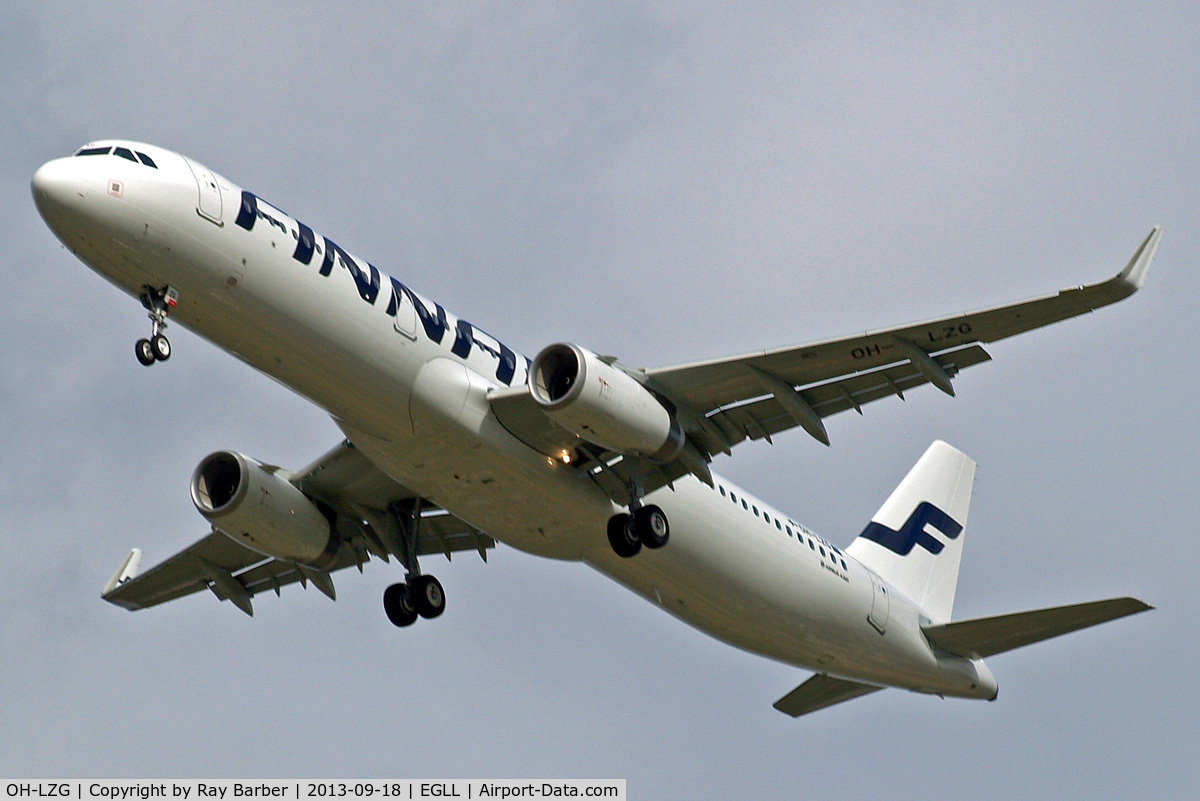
454	442
435	323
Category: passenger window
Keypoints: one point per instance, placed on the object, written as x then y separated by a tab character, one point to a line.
744	504
125	153
149	162
844	565
777	526
822	553
756	511
733	497
812	546
789	530
722	492
766	517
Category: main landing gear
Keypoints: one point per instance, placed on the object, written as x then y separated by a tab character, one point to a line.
644	525
419	595
158	303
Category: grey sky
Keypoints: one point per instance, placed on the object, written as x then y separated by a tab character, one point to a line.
664	184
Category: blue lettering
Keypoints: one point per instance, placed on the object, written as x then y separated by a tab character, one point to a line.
435	327
368	288
248	213
462	340
272	221
367	282
305	244
507	360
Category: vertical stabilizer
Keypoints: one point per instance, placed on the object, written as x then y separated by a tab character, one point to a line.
914	541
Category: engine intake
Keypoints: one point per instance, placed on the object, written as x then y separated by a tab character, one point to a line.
602	403
258	508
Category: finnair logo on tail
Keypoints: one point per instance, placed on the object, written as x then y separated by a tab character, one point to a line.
913	531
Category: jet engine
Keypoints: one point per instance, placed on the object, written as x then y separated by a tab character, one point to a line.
603	404
255	506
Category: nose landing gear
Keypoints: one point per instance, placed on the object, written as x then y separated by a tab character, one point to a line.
158	303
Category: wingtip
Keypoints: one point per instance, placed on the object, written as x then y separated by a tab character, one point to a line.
1134	273
1145	607
127	570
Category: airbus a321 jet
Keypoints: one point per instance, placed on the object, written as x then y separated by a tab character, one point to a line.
453	442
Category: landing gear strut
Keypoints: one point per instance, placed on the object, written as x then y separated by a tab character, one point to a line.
419	595
644	525
158	303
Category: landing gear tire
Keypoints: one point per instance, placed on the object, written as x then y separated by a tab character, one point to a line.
160	347
145	352
398	605
428	596
651	525
623	536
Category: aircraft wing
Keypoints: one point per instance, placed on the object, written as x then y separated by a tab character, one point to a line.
754	395
722	402
349	484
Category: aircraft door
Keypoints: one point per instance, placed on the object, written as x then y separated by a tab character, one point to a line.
209	204
405	323
880	604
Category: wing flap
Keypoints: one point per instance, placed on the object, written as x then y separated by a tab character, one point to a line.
820	691
766	417
982	637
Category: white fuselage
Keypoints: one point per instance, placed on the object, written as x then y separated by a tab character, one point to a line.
366	349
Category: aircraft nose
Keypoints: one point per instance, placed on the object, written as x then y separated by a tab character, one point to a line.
57	188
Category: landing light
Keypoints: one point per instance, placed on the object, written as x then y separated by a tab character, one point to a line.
566	457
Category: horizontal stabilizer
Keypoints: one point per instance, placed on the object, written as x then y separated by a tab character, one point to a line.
985	636
819	692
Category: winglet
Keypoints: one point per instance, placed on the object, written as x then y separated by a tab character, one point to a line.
125	572
1135	271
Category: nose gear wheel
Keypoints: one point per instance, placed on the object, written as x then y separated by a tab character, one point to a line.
158	303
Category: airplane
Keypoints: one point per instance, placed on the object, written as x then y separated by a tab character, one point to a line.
454	442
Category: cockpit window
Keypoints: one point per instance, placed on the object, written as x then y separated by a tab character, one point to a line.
123	152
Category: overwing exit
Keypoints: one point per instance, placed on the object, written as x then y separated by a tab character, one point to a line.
454	442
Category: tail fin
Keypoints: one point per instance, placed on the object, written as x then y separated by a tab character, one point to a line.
914	541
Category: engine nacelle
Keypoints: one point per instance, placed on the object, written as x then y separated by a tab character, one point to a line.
263	511
602	403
